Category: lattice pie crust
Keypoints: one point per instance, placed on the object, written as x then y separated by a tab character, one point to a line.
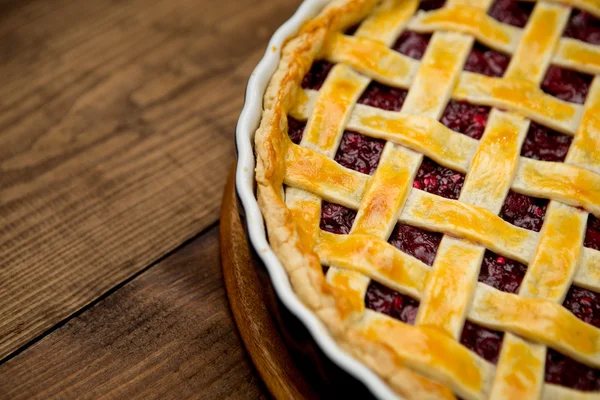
426	360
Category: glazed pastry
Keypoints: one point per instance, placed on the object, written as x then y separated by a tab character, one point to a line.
429	175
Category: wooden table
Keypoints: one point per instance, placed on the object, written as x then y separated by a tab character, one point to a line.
116	136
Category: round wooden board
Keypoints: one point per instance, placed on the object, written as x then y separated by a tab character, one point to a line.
248	304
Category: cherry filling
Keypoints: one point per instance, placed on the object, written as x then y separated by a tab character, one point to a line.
483	341
592	233
566	84
585	304
316	75
336	218
511	12
544	144
412	44
583	26
417	242
563	370
436	179
359	152
466	118
295	129
524	211
428	5
382	96
387	301
560	369
486	61
501	273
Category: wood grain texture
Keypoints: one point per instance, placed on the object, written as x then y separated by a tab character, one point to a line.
248	304
167	334
116	134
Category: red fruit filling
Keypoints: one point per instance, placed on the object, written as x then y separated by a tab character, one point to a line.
483	341
501	273
336	218
359	152
412	44
566	84
436	179
544	144
417	242
524	211
295	129
511	12
486	61
583	26
316	75
506	275
585	304
465	118
592	233
565	371
387	301
428	5
560	369
382	96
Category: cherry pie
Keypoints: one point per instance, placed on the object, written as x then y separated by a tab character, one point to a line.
429	174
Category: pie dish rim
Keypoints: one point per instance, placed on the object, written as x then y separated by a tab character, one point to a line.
247	125
300	263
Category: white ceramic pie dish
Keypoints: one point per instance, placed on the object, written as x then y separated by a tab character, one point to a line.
247	124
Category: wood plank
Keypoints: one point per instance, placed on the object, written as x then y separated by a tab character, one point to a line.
247	297
116	129
168	333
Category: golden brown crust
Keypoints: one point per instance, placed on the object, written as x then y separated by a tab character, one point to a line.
301	263
392	349
271	141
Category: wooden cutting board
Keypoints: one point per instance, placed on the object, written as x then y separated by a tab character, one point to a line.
248	299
